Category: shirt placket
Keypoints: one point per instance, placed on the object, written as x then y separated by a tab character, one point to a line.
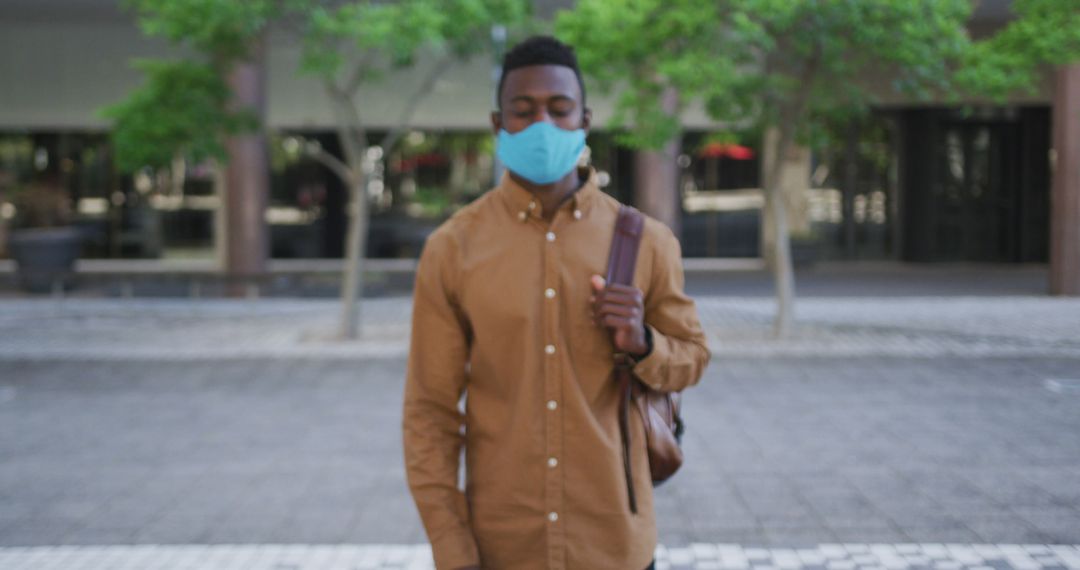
555	408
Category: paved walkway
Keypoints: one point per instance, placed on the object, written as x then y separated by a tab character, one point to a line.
234	434
321	278
781	452
737	327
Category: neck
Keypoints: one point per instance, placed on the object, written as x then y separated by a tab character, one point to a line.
551	196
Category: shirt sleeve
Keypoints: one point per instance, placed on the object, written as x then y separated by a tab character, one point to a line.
679	347
432	421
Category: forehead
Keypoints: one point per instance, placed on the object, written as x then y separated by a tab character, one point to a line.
541	82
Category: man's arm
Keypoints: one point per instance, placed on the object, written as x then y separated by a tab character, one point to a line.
432	423
678	350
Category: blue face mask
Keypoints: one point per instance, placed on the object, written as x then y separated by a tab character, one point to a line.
541	153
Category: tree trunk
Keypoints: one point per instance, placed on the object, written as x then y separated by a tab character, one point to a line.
781	262
4	231
247	179
221	218
354	174
357	174
851	181
656	175
352	287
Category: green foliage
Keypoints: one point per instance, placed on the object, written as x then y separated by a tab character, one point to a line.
638	48
1042	32
801	64
388	35
222	28
433	201
181	108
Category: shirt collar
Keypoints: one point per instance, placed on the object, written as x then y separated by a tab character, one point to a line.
522	204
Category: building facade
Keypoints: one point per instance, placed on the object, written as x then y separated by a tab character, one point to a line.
918	183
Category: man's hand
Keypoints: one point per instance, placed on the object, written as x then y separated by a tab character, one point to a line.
621	309
469	568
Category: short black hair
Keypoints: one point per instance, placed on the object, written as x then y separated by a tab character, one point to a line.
539	50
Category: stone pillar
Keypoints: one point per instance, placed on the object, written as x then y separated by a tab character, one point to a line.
656	177
655	180
247	179
1065	195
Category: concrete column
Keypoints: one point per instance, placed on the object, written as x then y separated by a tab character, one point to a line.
656	176
247	178
1065	195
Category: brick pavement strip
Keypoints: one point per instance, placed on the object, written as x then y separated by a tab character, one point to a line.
700	556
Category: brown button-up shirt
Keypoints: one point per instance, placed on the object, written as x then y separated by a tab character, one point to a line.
505	361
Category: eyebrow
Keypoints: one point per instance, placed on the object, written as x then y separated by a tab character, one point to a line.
529	99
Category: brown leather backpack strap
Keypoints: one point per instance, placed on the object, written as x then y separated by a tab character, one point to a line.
625	382
622	260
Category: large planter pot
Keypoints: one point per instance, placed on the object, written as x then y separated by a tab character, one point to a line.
45	257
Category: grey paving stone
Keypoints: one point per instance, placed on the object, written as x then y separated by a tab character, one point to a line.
97	535
1000	528
945	533
1056	528
229	442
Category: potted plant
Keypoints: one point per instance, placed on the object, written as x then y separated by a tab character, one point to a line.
43	242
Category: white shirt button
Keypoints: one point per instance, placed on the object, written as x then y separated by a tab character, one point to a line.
549	293
552	404
552	462
550	349
553	516
550	236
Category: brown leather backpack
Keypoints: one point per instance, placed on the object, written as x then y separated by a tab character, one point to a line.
659	410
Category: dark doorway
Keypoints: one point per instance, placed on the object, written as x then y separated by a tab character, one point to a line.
976	186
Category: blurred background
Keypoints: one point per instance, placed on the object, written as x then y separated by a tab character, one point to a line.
916	179
196	196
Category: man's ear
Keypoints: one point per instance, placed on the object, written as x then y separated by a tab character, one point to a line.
586	119
496	121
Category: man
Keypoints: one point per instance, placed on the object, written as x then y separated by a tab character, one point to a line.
511	311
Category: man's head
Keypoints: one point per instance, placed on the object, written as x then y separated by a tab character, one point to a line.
541	82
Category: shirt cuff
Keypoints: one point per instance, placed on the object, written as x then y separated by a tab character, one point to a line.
648	346
651	369
455	551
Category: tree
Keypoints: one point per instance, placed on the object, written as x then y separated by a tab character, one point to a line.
634	49
346	45
181	109
207	105
349	45
789	67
